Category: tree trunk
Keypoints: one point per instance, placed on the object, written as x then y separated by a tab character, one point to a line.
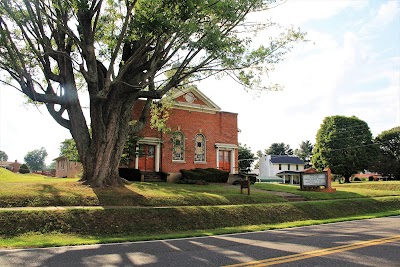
110	127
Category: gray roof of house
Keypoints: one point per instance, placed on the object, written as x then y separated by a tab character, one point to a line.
286	159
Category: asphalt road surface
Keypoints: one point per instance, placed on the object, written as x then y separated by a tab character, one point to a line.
374	242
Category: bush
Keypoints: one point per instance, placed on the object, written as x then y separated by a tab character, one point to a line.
371	178
130	174
24	169
208	175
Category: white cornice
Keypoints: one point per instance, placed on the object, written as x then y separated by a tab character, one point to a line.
209	104
228	146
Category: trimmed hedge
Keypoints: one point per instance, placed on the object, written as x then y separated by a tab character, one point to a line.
24	169
147	221
130	174
208	175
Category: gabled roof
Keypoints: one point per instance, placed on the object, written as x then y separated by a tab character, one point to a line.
278	159
192	98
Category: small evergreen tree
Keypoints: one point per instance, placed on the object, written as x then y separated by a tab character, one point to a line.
246	157
24	169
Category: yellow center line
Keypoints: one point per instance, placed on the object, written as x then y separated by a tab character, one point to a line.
317	253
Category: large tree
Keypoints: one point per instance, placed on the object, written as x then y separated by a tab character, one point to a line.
3	156
305	152
387	160
279	149
344	144
119	51
35	159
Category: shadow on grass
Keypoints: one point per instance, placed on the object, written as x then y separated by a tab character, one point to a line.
119	196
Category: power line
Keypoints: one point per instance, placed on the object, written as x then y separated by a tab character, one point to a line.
359	146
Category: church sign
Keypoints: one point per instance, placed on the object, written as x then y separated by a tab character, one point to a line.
314	179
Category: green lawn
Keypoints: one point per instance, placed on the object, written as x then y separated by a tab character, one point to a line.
20	190
343	191
128	214
91	226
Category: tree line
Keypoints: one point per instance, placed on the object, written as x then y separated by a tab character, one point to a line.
345	144
34	160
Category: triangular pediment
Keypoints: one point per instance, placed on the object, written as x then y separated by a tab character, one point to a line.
193	99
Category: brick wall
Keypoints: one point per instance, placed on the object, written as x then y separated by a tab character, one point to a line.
220	127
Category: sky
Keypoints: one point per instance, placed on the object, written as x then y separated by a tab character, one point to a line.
350	66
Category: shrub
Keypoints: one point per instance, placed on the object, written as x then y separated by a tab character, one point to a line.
130	174
24	169
208	175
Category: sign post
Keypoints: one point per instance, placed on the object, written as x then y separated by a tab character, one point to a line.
245	184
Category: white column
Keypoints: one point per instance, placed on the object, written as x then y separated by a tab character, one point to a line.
291	179
217	158
157	158
233	161
137	158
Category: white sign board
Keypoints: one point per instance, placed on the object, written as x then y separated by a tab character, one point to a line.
314	179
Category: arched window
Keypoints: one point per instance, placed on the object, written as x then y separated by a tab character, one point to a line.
200	148
178	147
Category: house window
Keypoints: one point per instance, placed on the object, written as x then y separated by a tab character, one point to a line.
178	147
200	148
280	167
288	167
297	167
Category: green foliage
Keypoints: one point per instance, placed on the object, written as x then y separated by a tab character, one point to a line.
159	114
121	51
305	152
24	169
51	166
129	151
343	144
68	149
35	159
208	175
150	221
3	156
279	149
387	160
246	157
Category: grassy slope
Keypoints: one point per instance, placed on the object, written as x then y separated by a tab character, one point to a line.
192	210
26	190
45	228
344	191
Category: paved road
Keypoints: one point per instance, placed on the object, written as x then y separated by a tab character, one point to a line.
374	242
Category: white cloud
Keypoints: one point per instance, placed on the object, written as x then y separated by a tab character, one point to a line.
297	12
387	13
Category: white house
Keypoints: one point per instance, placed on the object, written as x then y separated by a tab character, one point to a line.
286	167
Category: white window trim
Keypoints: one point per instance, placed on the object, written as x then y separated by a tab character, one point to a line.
184	154
205	149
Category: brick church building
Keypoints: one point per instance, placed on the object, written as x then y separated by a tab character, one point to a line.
201	136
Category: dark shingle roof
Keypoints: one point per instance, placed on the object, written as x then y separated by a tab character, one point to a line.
286	159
